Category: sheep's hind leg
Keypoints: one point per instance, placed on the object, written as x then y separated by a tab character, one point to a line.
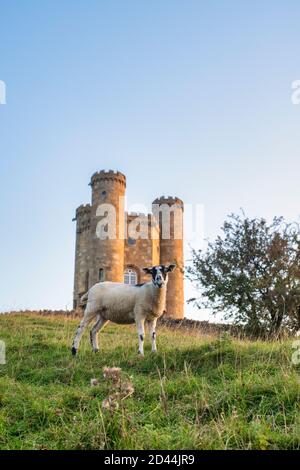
83	324
100	323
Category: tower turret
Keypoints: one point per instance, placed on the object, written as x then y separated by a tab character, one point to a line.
169	212
107	261
82	252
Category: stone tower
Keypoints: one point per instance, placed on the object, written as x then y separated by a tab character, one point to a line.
121	258
82	250
171	249
107	262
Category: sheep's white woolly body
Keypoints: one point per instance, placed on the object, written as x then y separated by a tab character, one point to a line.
123	304
118	302
114	301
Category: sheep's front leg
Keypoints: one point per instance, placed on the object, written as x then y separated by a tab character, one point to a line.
84	322
141	333
100	323
152	328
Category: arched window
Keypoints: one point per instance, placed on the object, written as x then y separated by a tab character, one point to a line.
130	276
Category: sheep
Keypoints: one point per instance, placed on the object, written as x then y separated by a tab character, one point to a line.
124	304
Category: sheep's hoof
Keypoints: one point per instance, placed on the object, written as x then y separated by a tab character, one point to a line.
96	350
154	351
141	355
74	351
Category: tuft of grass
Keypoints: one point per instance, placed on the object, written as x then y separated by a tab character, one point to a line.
198	392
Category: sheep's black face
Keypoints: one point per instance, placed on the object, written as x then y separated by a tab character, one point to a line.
160	274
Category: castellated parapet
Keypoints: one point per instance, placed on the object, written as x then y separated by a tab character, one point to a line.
141	240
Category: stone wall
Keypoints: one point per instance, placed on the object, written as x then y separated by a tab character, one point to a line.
141	252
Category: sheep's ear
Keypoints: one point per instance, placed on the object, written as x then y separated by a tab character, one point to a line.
147	270
170	268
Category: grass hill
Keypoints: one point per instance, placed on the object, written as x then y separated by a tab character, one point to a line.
198	392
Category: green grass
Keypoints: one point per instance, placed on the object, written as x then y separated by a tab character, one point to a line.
198	392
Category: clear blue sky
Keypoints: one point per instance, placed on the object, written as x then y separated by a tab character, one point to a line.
189	98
